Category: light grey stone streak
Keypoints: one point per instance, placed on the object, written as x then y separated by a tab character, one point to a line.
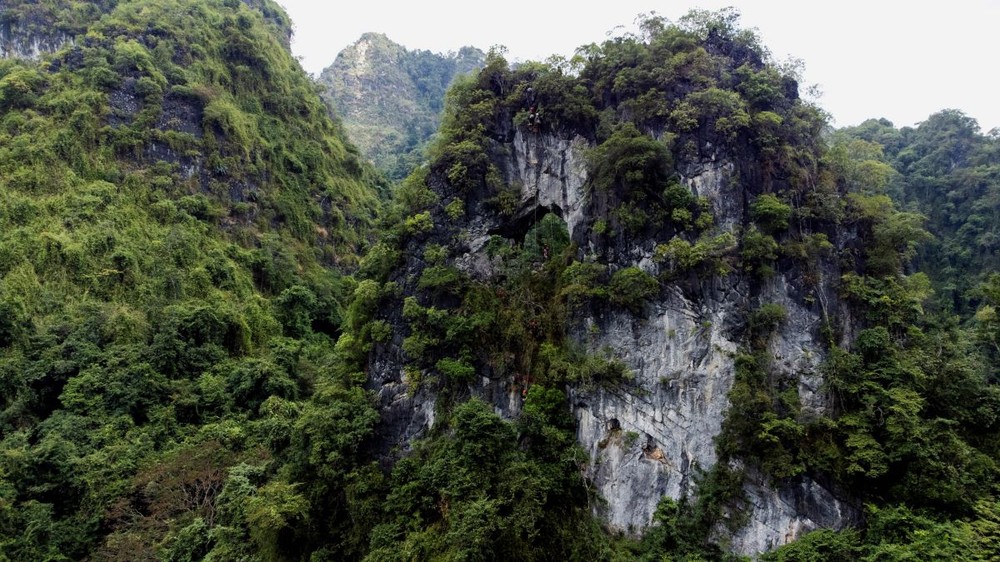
30	46
551	173
646	438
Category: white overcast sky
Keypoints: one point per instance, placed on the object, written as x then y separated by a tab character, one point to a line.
902	60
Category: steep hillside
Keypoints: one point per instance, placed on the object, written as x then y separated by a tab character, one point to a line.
390	98
175	206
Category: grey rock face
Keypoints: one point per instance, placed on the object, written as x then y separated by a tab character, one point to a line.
778	517
648	437
794	349
713	179
551	173
30	46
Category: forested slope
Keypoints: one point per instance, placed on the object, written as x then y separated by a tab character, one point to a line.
176	209
946	169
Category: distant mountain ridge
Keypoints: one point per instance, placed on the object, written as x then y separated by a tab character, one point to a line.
390	98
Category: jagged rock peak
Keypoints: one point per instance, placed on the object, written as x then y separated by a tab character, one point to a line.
390	98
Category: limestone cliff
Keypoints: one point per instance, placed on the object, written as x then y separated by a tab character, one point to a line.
681	349
31	35
649	438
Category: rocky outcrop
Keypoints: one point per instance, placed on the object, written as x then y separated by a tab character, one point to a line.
551	172
650	436
390	98
16	43
649	439
779	516
646	439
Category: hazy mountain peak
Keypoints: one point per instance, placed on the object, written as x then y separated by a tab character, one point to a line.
390	97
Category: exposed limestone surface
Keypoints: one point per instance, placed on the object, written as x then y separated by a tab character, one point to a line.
649	437
18	44
646	439
551	172
778	517
713	179
794	349
407	414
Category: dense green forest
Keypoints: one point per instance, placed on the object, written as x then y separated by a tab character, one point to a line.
177	210
200	278
949	172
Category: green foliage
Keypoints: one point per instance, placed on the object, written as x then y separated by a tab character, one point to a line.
892	237
897	533
894	428
175	199
770	213
455	210
296	310
893	302
987	321
273	509
420	223
822	545
680	201
582	281
630	287
759	252
722	112
454	370
762	423
471	493
379	261
559	364
441	278
19	89
183	370
763	321
683	528
631	161
946	170
679	255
